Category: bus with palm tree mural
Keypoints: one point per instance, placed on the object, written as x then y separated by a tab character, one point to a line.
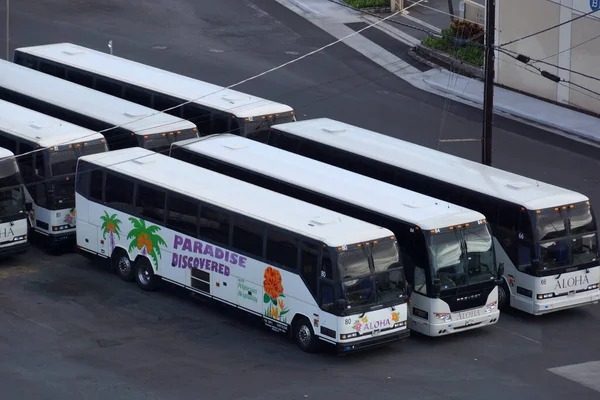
316	274
46	150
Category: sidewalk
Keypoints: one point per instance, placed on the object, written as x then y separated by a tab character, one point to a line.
334	18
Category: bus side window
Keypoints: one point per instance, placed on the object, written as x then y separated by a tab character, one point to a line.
506	229
327	292
52	69
214	225
80	78
160	102
96	185
119	193
8	143
220	122
286	142
309	258
525	240
248	236
137	96
182	214
199	117
282	248
150	204
82	184
108	87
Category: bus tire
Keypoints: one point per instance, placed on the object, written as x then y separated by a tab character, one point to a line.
144	275
304	335
122	265
503	296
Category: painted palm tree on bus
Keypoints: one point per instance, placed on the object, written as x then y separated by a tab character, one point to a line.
110	226
145	239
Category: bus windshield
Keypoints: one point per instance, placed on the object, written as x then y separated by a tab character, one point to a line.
462	257
371	275
259	127
64	160
11	192
566	236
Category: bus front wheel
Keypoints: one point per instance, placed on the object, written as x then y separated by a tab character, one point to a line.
503	296
305	335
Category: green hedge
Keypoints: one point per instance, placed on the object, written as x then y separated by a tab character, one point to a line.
469	53
368	3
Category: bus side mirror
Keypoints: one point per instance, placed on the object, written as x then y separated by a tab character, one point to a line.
436	288
409	289
341	304
500	273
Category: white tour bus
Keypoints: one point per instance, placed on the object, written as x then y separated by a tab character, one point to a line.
305	270
545	235
13	218
138	125
217	109
49	172
447	250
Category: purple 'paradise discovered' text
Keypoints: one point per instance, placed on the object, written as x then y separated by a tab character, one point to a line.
210	262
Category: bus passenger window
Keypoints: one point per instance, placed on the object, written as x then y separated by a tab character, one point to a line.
108	87
81	78
96	182
282	248
309	258
327	295
214	225
248	236
52	69
150	204
119	193
137	96
182	215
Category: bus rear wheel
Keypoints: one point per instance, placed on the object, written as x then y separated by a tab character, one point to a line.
304	335
144	275
122	265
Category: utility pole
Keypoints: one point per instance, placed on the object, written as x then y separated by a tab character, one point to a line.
7	30
488	92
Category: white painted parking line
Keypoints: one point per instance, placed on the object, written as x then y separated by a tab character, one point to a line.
587	374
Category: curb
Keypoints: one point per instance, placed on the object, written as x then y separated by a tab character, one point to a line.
453	62
515	112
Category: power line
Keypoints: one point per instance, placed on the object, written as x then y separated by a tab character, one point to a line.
549	29
570	48
546	74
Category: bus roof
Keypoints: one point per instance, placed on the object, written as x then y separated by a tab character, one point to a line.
86	101
40	128
331	228
242	105
526	192
420	210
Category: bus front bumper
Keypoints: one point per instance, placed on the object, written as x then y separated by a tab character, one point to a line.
565	302
443	328
373	341
16	249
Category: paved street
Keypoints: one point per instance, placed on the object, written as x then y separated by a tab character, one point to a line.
70	330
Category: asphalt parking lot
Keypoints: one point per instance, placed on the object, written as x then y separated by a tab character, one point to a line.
69	329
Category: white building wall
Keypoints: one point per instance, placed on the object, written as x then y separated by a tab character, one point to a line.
519	18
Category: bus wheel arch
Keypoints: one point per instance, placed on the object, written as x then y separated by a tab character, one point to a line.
144	274
121	263
503	295
304	334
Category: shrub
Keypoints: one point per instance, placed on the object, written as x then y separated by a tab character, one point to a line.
467	30
368	3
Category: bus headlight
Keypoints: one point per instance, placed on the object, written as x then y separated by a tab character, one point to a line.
348	335
400	324
592	287
61	227
22	237
545	296
444	316
491	306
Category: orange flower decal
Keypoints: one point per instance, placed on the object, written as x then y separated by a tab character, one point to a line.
273	296
395	316
272	283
